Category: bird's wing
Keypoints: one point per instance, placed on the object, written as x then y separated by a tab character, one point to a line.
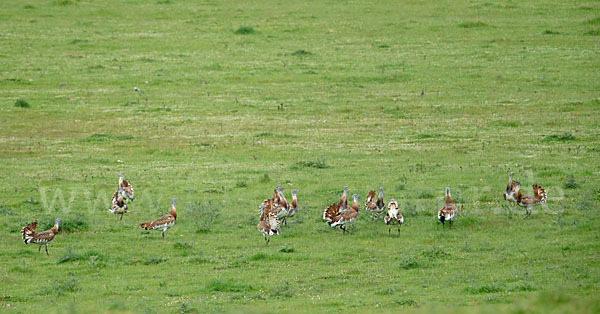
43	236
166	219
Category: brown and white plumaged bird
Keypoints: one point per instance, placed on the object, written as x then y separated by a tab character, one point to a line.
513	195
393	217
30	236
346	217
334	209
126	190
119	207
528	201
375	207
163	223
294	205
509	193
269	224
283	210
448	211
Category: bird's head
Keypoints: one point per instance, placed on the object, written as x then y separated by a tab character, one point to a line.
57	222
173	201
447	191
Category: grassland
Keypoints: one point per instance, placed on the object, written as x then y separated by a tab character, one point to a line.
235	97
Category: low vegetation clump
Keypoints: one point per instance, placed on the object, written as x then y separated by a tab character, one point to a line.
22	103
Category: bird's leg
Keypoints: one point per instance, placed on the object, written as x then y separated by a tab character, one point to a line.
47	249
268	240
450	224
163	234
389	229
40	248
398	228
121	219
527	213
343	228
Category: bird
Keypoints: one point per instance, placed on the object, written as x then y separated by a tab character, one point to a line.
448	211
528	201
344	199
334	209
30	236
119	207
126	189
163	223
509	193
294	205
375	207
283	210
346	217
268	225
393	217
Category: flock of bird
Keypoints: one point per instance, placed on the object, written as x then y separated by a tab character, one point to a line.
276	210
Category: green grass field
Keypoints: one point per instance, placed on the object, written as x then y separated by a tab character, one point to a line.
238	96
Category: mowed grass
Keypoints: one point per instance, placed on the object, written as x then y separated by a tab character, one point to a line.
236	97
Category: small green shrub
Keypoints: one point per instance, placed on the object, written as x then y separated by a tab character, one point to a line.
226	286
182	246
425	195
79	41
265	178
286	249
409	263
241	184
64	3
283	291
565	136
301	53
204	215
434	253
244	30
407	302
585	203
571	183
522	286
472	24
386	291
95	138
71	256
5	211
550	32
319	164
491	287
154	261
68	286
22	103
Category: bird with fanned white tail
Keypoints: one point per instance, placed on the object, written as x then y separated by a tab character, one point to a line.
163	223
42	238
